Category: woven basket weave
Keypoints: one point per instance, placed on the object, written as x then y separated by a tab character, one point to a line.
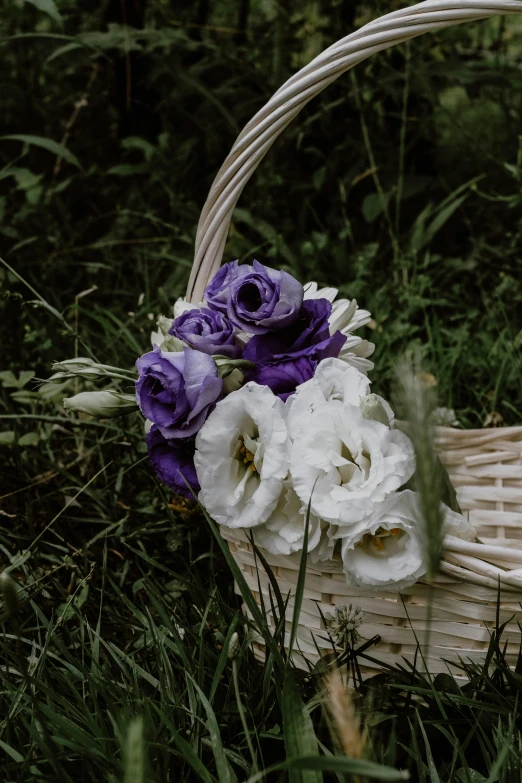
485	466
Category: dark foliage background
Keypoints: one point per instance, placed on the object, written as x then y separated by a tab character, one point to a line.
151	110
401	185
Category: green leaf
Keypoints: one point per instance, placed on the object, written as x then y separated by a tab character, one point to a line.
47	144
499	764
300	739
129	169
434	775
137	143
66	610
225	774
11	752
25	178
6	438
50	391
301	578
422	233
448	492
452	98
341	764
65	49
469	776
29	439
8	379
374	204
442	218
319	177
248	597
47	7
24	378
134	752
223	657
187	754
24	397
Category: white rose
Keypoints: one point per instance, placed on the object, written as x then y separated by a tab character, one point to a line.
384	550
346	317
347	462
242	457
283	532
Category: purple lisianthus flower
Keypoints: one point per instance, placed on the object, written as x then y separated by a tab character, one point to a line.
177	391
263	299
206	330
285	377
173	461
303	344
217	292
308	336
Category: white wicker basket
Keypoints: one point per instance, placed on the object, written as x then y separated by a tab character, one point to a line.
485	465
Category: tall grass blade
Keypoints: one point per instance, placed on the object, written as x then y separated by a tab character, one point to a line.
224	771
134	752
300	739
434	776
359	767
191	758
299	590
250	601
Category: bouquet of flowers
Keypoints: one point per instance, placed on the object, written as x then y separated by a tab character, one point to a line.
257	402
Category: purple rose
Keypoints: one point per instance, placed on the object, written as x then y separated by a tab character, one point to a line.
173	461
208	331
177	391
285	377
308	339
217	291
258	298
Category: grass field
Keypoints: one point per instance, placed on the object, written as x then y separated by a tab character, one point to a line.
402	186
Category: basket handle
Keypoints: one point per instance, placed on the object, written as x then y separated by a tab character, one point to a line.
259	134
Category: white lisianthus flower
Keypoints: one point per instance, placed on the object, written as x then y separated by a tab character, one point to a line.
351	460
312	291
283	532
181	306
333	380
384	550
242	457
346	318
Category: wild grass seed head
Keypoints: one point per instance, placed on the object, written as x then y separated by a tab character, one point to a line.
416	398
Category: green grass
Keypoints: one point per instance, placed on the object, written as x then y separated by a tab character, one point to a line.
115	665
